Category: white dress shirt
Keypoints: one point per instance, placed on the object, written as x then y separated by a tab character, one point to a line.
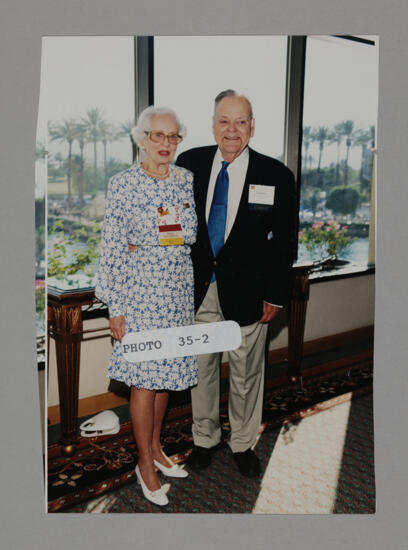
237	170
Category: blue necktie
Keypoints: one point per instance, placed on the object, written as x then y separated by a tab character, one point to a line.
218	212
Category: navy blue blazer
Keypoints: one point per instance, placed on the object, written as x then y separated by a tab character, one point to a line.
254	264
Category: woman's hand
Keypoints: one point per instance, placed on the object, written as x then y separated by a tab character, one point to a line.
117	327
132	247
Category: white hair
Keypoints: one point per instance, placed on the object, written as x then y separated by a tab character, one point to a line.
232	93
142	126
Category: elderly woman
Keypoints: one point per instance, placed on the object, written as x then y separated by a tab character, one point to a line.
151	287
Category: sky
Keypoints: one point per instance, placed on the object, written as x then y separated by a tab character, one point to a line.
341	83
205	65
79	73
82	72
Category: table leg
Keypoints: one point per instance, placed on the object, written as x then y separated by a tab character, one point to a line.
66	324
297	318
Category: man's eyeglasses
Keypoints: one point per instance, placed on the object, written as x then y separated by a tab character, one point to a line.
160	137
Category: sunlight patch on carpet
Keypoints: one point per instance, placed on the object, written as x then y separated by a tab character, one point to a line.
100	505
302	473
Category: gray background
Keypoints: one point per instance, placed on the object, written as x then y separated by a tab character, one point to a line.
24	523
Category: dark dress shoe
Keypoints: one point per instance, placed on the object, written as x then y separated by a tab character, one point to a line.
248	463
199	458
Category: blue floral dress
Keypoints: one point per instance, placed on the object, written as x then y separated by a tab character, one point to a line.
153	286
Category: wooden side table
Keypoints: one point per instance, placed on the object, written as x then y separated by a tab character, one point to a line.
65	326
297	319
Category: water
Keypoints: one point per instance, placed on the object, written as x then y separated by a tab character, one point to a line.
356	252
81	279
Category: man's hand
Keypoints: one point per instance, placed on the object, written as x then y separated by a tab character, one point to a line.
269	313
117	327
132	247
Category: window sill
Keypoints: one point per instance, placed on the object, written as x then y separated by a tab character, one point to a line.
344	272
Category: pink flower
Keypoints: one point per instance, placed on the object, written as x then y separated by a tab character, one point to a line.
317	225
344	227
300	234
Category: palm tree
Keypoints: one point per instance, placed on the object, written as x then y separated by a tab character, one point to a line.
347	129
336	136
107	133
59	159
40	151
92	122
65	132
81	135
125	129
320	135
306	139
372	136
362	138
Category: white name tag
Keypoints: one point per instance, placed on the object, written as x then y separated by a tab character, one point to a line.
261	194
181	341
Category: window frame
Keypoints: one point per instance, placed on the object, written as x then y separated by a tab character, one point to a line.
293	125
295	101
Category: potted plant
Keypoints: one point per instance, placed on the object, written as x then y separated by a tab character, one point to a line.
325	242
74	252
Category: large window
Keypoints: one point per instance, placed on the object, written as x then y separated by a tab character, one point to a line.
88	83
339	131
88	105
189	71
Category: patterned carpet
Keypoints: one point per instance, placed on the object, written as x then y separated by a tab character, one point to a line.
312	463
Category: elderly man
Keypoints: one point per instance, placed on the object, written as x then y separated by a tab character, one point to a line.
242	257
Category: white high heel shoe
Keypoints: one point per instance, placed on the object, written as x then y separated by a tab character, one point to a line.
174	471
158	497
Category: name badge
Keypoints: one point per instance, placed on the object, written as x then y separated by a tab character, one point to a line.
261	194
169	226
167	343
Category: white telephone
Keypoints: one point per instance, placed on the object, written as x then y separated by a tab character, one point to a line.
104	423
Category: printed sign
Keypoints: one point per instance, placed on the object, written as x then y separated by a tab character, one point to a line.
181	341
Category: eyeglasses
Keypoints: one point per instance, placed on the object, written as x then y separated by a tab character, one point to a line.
159	137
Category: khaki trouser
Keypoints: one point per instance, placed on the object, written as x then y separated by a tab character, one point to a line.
246	366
